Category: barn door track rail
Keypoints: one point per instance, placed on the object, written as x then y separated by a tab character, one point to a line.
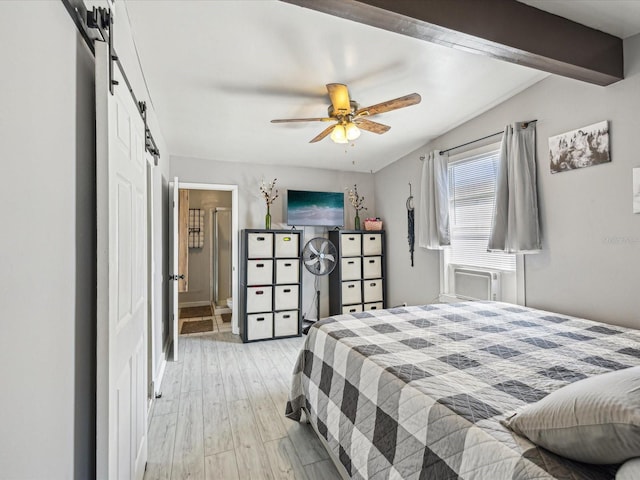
97	25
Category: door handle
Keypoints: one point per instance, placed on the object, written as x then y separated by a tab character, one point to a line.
176	277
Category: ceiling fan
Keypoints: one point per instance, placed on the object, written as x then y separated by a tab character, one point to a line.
350	118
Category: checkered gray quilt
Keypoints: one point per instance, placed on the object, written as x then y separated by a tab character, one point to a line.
418	392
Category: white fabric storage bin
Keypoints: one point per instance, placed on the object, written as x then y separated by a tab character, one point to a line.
373	306
350	244
351	268
285	323
287	245
286	297
351	292
372	244
259	299
259	245
372	290
351	308
372	267
259	326
287	271
259	272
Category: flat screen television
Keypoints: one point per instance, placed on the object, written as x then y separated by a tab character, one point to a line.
321	209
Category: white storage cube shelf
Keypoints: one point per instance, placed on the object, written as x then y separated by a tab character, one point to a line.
350	244
260	245
351	308
372	267
371	244
271	289
373	306
358	283
287	271
351	268
259	272
259	326
351	292
285	323
286	297
286	245
372	290
259	299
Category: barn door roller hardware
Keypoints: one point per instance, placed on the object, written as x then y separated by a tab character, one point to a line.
101	19
97	24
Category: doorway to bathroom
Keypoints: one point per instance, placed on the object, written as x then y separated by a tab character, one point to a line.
205	233
206	305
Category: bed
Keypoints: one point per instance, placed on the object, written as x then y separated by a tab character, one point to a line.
419	392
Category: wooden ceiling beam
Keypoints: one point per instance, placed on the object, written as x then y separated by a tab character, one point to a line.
504	29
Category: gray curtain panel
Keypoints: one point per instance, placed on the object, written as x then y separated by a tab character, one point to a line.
433	214
515	226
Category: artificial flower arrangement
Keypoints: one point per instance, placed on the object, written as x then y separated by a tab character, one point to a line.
358	203
269	196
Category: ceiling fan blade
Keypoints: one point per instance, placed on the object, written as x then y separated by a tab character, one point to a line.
321	135
313	249
370	126
323	267
287	120
396	103
328	256
323	246
339	95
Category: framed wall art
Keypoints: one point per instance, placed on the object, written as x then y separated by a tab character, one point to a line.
584	147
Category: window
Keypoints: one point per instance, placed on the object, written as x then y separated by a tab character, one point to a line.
472	191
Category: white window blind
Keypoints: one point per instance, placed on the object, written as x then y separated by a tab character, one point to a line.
472	192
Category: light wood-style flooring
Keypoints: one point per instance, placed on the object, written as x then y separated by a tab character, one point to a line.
221	415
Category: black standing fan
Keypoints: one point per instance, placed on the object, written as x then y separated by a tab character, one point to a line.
319	258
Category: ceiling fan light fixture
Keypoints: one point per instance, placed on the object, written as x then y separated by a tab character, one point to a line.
352	131
339	134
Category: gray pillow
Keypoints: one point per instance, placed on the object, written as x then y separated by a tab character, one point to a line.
630	470
595	420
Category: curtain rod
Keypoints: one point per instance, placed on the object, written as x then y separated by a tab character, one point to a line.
524	125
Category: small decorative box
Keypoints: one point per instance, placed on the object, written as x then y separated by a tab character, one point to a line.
372	224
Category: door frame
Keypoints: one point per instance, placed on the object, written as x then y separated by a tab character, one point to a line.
152	381
235	329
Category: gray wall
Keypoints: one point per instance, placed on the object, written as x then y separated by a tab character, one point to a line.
252	208
200	261
47	149
48	240
590	265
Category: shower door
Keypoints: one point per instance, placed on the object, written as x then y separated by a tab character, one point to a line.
221	256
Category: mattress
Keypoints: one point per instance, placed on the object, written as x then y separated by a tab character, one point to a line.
419	392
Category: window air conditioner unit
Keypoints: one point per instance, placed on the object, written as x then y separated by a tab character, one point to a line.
476	284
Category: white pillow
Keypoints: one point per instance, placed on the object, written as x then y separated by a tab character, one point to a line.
595	420
630	470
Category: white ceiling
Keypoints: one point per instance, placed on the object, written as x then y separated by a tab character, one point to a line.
620	18
218	71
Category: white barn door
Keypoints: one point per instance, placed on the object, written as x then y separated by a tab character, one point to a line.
122	280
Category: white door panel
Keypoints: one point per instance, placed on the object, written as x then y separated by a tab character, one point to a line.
122	280
174	204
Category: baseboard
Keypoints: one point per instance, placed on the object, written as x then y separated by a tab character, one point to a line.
193	304
446	298
157	381
160	375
